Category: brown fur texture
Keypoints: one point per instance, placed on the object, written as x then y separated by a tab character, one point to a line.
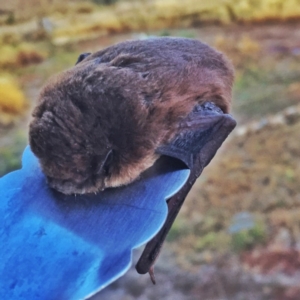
97	125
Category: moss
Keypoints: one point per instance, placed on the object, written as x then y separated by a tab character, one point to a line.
105	2
207	241
290	174
179	229
247	239
20	55
12	99
11	152
10	19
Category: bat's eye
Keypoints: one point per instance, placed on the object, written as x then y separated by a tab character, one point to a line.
104	168
82	56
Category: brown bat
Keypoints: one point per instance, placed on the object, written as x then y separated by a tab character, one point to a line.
98	124
103	122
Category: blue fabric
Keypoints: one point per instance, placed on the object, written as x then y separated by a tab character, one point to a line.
68	247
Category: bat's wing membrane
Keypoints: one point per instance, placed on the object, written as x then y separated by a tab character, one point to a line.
199	137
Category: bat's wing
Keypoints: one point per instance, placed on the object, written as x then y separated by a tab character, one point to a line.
199	137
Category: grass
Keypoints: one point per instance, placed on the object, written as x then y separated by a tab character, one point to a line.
160	14
13	103
265	83
20	55
79	20
11	150
248	239
12	99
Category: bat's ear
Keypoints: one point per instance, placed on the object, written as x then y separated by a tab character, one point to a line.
82	56
200	136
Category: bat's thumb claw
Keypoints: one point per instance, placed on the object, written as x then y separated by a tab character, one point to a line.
152	276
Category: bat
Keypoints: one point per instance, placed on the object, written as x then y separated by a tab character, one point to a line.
104	121
98	124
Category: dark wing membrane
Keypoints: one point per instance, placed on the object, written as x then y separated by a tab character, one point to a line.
196	143
199	136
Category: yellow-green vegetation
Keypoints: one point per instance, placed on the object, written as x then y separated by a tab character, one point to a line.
261	88
179	229
12	100
249	238
159	14
11	149
210	10
240	50
207	241
19	55
70	21
263	79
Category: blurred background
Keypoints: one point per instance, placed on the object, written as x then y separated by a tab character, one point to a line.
238	234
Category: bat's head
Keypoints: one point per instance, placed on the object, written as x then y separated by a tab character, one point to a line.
73	154
97	125
85	142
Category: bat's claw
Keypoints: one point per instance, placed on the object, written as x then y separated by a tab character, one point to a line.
152	275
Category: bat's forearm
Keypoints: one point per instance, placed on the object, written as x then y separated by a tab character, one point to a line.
154	246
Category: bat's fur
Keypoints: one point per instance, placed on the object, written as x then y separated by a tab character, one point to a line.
98	124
